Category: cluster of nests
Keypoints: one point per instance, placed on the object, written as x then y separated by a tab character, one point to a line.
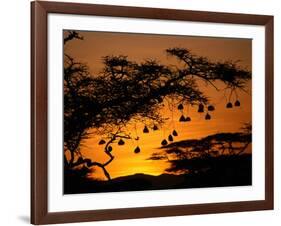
120	142
137	149
174	133
163	142
201	110
188	119
170	138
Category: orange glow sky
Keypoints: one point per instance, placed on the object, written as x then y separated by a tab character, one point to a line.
138	47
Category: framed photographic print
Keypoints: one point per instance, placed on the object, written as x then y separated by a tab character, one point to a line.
145	112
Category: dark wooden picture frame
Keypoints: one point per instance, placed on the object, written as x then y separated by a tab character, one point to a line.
39	109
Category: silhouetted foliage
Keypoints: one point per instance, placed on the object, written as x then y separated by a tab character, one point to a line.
127	91
198	155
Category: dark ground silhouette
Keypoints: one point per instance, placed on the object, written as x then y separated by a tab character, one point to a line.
223	171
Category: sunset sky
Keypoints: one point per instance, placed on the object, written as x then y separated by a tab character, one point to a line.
139	47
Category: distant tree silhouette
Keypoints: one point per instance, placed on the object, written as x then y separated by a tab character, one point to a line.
195	155
126	91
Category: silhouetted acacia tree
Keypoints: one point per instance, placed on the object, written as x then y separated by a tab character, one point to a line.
195	155
127	91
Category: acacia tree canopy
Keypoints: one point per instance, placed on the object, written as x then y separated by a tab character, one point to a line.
195	155
125	90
